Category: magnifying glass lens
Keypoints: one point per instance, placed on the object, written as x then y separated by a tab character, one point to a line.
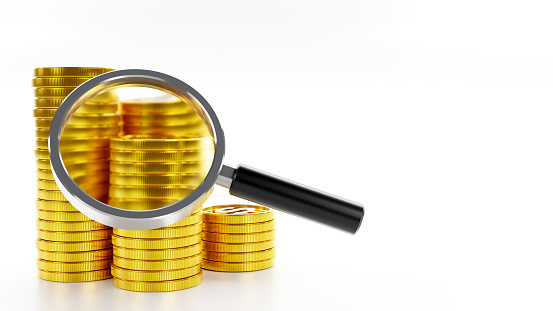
149	152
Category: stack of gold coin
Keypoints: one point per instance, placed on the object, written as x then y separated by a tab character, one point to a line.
238	238
166	116
71	246
149	173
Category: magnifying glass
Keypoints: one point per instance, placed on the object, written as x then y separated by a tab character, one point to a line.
243	181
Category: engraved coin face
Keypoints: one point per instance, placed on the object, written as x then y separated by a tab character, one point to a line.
240	210
237	214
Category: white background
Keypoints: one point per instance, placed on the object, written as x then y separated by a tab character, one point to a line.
436	115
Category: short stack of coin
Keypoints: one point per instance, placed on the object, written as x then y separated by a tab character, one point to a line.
166	116
238	238
149	173
71	246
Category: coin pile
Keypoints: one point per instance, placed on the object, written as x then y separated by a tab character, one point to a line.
149	173
166	116
71	246
238	238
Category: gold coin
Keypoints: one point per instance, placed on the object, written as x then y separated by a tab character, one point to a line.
81	246
136	192
74	236
174	242
195	129
100	254
160	143
237	214
140	204
241	228
57	82
89	131
170	107
62	92
156	265
62	216
75	155
93	108
152	276
77	143
193	219
83	120
237	266
162	119
70	71
75	276
238	238
157	254
161	156
44	113
57	206
77	166
240	257
238	247
161	286
57	266
162	233
69	225
76	175
80	181
156	180
160	168
55	195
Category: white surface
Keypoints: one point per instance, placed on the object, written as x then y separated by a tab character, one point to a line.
434	114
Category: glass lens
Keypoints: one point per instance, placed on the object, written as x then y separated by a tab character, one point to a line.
137	148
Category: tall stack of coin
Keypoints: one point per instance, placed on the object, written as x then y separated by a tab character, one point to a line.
149	173
71	246
166	116
238	238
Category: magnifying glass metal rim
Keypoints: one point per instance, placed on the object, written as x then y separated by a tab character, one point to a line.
132	219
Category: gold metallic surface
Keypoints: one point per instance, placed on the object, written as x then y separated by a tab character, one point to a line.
161	156
160	143
59	82
152	276
94	191
162	233
62	216
238	247
171	107
94	179
237	266
99	165
75	276
72	132
83	120
157	254
162	286
240	257
100	254
76	174
194	218
74	236
140	204
238	238
80	246
75	155
196	128
57	266
162	119
141	243
156	265
237	214
70	226
160	168
70	71
137	192
57	206
156	180
240	228
76	143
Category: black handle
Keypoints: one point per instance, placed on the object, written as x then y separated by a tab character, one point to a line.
285	195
